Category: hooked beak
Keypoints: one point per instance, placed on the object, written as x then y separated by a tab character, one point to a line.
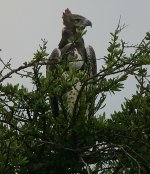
87	23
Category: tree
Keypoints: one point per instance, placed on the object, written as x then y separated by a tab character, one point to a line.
32	140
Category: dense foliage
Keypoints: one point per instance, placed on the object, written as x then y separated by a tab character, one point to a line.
32	140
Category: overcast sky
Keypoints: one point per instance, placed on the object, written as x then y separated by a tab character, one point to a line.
24	22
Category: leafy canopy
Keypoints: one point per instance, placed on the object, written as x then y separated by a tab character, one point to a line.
32	140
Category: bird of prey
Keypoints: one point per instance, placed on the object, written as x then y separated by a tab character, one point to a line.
80	58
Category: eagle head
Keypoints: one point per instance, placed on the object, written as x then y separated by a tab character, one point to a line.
74	21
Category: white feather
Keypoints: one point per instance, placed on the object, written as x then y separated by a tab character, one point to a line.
77	62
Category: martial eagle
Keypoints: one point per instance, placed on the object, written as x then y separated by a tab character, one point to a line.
81	58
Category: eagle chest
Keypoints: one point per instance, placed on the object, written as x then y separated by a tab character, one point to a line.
76	62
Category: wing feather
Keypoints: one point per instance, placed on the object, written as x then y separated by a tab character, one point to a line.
92	71
92	60
53	59
52	62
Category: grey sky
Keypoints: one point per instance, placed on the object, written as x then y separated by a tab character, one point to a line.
25	22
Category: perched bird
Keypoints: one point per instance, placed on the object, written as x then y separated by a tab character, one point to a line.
72	48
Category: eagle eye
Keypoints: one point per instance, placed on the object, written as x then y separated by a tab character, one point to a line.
77	20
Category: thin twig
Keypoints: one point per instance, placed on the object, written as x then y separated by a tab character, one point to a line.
86	165
139	168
